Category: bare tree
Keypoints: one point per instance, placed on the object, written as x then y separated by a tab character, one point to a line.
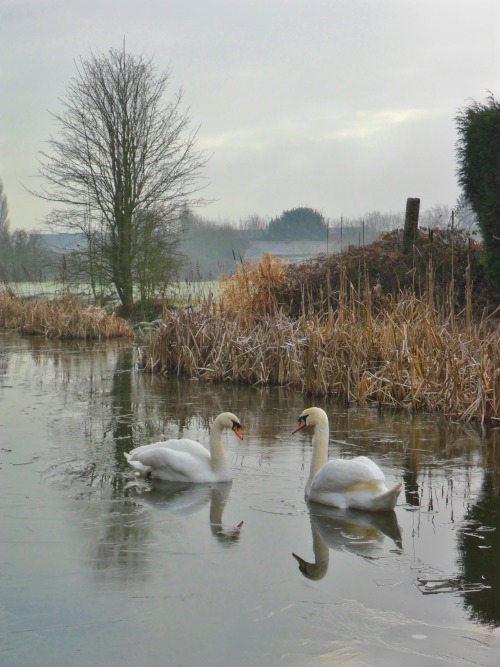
438	215
122	153
5	244
383	222
466	218
4	212
254	225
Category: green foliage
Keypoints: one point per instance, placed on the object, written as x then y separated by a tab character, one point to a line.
155	256
298	224
478	152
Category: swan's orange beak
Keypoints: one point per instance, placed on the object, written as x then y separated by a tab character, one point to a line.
236	430
301	424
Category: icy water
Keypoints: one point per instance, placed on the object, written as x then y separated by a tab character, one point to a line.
98	568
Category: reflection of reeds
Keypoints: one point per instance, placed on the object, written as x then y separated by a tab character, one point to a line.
403	353
59	318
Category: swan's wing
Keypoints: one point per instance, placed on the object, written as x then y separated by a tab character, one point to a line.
370	468
185	457
340	475
180	444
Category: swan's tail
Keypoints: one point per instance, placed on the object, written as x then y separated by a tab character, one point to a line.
387	500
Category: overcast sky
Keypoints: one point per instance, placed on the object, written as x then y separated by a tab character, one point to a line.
346	106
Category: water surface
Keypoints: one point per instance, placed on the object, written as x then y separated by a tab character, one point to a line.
100	568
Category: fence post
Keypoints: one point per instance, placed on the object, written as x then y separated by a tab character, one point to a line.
411	223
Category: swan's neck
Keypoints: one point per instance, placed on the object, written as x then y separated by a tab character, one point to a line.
218	460
320	451
321	553
218	500
319	568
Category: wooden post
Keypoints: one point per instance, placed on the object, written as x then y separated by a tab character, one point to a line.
411	223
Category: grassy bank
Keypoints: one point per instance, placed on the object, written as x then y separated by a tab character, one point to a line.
66	317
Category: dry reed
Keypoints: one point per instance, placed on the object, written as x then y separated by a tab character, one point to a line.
59	318
405	354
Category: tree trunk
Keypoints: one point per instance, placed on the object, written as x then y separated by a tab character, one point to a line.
122	273
411	223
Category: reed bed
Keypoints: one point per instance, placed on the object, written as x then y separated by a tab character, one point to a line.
405	354
59	318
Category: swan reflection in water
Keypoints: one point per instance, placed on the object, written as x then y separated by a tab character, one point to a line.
362	533
184	500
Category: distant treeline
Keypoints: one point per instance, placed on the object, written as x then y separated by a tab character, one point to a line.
208	248
25	257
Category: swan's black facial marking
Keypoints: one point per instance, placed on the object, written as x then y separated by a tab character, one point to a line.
236	429
302	422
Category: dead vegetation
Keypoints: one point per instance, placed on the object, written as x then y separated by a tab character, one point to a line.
444	266
387	332
66	318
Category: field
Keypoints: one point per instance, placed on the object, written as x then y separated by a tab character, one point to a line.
180	293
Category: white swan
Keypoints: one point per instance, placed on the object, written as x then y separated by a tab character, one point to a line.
186	460
357	483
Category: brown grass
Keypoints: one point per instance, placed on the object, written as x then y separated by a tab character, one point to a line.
59	318
252	291
402	353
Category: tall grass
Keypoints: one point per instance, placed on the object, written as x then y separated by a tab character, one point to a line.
399	352
59	318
